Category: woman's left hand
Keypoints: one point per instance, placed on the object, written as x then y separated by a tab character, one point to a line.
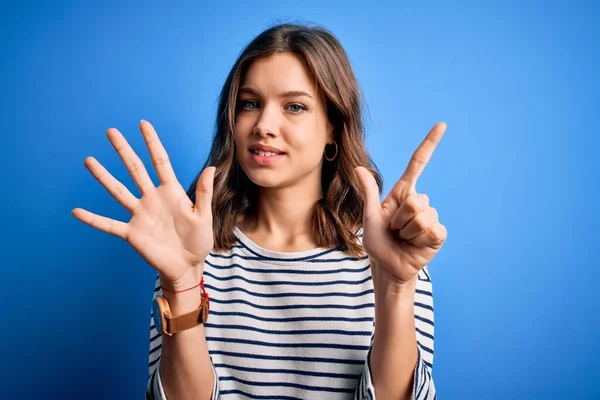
402	234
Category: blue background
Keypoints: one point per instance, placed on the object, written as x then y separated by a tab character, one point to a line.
514	179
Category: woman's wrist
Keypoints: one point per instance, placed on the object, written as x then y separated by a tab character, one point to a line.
183	303
188	280
184	295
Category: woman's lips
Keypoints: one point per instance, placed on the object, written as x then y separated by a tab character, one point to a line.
265	160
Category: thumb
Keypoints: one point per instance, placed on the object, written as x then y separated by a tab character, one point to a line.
370	190
204	190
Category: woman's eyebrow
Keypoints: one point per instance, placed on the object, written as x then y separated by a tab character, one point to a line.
295	93
289	93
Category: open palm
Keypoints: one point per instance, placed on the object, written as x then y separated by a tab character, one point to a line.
170	232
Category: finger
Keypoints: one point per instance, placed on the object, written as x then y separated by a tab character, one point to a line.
99	222
158	154
423	154
370	189
433	237
131	160
419	224
399	193
113	186
411	206
204	190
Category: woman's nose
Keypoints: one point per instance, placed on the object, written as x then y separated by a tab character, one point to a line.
267	123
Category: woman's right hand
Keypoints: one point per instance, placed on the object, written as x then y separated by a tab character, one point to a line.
170	232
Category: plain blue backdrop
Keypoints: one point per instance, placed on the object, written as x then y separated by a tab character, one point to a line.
514	178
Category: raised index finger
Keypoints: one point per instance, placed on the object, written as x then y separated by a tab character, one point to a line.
423	154
158	154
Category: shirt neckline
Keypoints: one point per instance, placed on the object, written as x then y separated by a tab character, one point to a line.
262	252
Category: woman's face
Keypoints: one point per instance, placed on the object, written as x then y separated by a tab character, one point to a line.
278	107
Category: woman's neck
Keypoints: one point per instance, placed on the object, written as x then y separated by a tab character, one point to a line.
284	220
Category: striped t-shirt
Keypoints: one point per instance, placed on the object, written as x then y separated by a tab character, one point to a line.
295	325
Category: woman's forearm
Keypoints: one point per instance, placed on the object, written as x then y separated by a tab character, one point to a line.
394	353
185	367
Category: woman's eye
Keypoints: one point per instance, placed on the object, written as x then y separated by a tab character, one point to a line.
249	104
296	108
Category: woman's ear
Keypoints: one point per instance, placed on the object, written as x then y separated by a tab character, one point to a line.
330	132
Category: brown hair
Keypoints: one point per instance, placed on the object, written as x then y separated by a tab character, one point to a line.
338	215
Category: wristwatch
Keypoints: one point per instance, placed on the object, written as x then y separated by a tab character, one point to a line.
168	324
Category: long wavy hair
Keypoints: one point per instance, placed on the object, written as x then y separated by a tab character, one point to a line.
338	215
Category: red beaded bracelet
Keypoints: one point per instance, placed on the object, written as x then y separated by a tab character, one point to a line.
185	290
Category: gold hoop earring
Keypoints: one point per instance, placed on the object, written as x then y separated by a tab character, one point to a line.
334	156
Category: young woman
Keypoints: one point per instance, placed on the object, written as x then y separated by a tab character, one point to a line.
280	273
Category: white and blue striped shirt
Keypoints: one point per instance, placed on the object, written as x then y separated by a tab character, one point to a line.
295	326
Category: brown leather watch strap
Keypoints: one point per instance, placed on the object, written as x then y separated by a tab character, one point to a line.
182	322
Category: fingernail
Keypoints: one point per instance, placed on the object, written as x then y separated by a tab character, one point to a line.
141	121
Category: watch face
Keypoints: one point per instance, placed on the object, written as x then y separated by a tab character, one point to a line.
156	316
